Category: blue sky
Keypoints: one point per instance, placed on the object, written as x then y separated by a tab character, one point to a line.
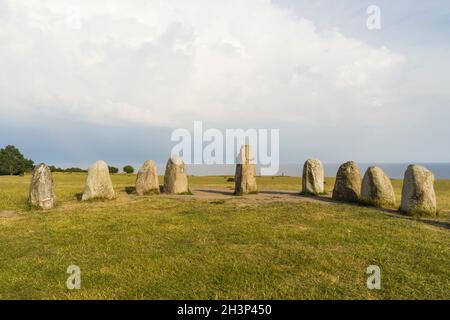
111	80
405	23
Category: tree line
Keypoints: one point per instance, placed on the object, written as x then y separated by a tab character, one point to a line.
13	163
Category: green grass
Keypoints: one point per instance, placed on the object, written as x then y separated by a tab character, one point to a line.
158	247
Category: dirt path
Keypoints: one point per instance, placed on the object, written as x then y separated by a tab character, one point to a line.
8	214
208	193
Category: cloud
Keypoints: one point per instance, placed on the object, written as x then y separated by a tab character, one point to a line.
168	63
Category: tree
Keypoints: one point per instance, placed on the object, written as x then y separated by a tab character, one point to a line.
70	170
128	169
113	169
12	162
55	169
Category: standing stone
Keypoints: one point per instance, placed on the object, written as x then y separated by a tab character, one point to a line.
98	183
41	193
147	179
348	183
175	179
245	177
377	188
313	177
418	197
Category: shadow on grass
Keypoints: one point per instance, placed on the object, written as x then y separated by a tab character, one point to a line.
393	213
130	190
278	192
430	221
216	191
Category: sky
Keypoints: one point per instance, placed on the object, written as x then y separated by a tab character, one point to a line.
106	79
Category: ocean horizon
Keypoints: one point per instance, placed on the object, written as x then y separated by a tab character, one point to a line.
393	170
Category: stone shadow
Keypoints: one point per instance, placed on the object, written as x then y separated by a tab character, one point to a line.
130	190
216	191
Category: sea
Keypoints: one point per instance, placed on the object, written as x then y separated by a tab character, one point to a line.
393	170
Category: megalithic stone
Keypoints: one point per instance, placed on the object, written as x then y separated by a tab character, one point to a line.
175	178
245	177
418	196
98	183
348	183
41	192
147	181
313	177
377	189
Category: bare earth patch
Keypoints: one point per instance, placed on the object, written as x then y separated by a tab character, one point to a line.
8	214
208	193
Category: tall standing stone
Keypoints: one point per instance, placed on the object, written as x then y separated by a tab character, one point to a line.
377	188
245	177
348	183
98	183
175	178
313	177
41	193
418	196
147	179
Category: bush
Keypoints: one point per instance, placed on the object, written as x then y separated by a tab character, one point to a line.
113	170
55	169
74	170
68	170
128	169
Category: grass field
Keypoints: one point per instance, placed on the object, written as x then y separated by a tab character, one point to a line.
160	247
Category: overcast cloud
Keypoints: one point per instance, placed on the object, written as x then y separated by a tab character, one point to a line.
128	68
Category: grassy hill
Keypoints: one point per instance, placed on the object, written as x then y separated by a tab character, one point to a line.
190	247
